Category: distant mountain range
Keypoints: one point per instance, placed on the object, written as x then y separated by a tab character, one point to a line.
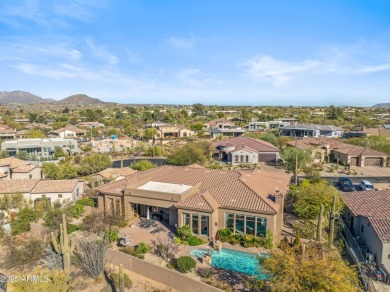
80	98
382	105
22	97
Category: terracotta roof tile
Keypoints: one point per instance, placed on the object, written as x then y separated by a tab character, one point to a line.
13	186
230	189
369	203
24	168
112	173
246	142
55	186
381	227
13	162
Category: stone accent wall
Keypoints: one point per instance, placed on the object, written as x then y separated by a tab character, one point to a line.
163	275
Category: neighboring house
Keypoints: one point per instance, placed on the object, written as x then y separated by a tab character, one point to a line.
35	190
226	132
90	125
68	132
205	199
311	130
325	149
367	216
39	126
14	168
219	124
110	174
38	147
6	133
359	156
168	131
241	150
155	124
255	126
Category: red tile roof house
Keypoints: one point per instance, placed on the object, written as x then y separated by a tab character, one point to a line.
205	199
241	150
367	216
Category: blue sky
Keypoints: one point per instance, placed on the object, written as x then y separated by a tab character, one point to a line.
213	52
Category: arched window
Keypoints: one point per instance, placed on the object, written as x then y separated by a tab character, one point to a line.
247	158
318	156
242	158
236	158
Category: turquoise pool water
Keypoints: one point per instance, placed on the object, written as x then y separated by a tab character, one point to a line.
228	259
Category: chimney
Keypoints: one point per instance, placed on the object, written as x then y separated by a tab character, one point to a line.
279	199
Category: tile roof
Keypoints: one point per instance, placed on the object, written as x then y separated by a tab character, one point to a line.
313	143
24	168
230	189
17	186
69	128
359	150
55	186
381	227
369	203
245	142
13	162
112	173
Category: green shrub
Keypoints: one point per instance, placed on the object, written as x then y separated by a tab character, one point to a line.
185	264
226	235
86	202
114	277
53	219
184	231
131	251
23	219
193	241
75	211
111	235
142	248
72	228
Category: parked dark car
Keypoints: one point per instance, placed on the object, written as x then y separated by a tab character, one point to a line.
345	184
157	217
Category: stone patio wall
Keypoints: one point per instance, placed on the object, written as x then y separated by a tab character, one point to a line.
163	275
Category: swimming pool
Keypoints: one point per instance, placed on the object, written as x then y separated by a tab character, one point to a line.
238	261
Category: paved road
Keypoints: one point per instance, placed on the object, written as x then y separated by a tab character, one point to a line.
356	180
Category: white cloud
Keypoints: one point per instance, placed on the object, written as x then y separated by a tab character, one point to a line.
102	53
277	71
193	77
182	42
335	61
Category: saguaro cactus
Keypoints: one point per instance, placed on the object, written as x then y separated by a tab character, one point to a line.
332	218
121	279
66	245
319	224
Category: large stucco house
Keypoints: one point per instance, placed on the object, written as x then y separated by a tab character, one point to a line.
311	130
367	216
14	168
241	150
206	199
34	190
326	149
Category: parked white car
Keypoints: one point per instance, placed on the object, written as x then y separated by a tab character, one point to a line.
366	185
